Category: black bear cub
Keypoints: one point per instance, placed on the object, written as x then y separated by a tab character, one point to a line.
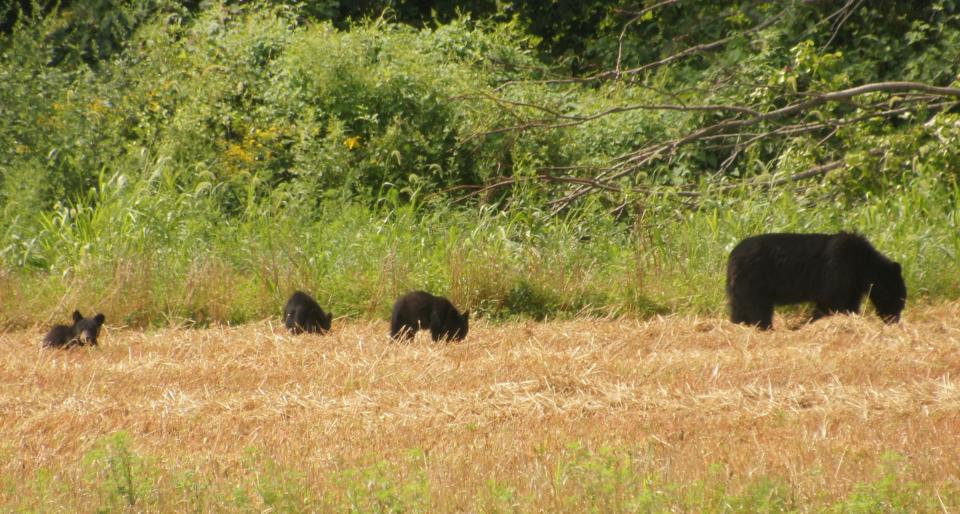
303	314
833	271
83	331
420	309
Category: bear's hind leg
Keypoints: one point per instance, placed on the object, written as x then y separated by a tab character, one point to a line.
759	314
400	331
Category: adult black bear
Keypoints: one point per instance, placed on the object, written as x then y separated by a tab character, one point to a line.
303	314
83	331
420	309
832	270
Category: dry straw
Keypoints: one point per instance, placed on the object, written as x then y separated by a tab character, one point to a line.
817	405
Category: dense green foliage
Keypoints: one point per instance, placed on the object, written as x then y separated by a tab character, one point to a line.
193	162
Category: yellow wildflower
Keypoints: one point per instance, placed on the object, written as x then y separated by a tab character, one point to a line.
98	107
236	152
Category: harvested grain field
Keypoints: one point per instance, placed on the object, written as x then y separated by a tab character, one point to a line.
675	414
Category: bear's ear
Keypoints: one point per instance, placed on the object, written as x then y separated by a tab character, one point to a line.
77	316
466	315
100	318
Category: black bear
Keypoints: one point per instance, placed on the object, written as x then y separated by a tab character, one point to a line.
420	309
303	314
833	271
83	331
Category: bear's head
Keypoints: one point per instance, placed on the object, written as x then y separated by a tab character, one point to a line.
888	292
87	329
457	325
319	322
325	321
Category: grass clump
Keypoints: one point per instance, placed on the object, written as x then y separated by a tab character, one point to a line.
122	479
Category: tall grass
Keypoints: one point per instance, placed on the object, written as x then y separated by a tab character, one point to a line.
144	258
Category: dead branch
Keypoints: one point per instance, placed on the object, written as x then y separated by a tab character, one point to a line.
626	25
846	12
632	162
794	108
704	47
574	120
502	182
687	52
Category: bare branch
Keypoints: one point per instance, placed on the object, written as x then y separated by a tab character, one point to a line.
606	186
617	73
578	120
847	10
805	105
626	25
631	162
705	47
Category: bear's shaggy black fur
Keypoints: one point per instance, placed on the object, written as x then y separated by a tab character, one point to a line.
303	314
832	270
83	331
420	309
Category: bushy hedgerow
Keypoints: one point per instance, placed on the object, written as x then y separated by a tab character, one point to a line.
222	156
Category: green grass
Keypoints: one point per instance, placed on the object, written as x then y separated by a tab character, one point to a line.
115	478
171	266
